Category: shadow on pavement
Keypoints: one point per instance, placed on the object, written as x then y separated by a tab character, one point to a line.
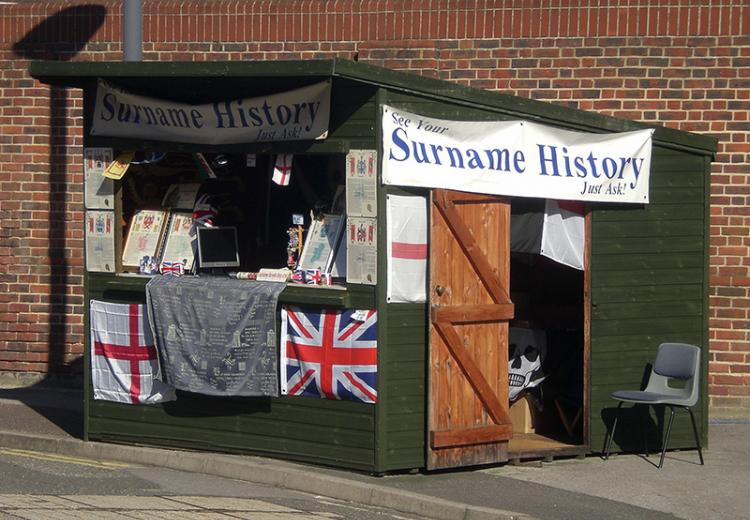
42	409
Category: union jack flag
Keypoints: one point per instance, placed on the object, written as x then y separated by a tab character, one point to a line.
329	354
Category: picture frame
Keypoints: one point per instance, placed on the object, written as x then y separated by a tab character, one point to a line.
180	240
321	240
144	236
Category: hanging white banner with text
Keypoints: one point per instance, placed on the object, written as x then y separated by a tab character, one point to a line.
296	115
515	158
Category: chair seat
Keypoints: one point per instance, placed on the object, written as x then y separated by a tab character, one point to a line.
641	396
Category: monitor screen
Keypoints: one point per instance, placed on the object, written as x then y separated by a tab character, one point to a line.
217	247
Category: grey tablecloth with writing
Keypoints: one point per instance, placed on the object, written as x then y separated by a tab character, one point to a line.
215	335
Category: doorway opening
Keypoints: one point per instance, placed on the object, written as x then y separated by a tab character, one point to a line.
547	335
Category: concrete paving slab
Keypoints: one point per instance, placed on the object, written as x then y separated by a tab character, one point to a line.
232	504
36	502
246	515
182	515
125	502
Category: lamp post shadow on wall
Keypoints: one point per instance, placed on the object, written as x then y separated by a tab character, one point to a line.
59	37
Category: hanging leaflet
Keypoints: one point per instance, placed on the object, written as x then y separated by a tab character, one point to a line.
362	250
100	241
98	190
117	168
361	186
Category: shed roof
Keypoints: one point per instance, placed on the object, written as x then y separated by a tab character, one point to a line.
80	74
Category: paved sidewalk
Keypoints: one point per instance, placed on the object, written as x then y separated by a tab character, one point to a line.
625	487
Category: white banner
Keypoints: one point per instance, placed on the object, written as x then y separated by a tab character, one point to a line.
296	115
515	158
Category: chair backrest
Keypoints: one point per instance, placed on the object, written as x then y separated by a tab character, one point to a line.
677	361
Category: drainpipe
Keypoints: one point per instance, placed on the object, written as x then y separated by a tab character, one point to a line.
132	30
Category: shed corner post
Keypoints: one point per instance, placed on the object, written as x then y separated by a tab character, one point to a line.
706	296
381	408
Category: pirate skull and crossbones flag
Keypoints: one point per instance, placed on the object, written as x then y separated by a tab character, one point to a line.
527	349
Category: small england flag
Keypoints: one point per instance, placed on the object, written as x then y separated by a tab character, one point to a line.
282	170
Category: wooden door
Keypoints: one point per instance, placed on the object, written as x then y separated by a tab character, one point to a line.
468	421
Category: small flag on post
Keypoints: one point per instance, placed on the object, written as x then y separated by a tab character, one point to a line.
282	170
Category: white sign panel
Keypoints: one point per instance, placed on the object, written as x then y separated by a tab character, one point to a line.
361	183
515	158
362	250
100	241
295	115
98	190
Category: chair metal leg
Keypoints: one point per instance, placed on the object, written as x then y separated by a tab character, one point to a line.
666	437
644	434
695	432
612	432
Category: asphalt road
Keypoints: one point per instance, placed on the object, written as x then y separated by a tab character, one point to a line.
626	487
44	486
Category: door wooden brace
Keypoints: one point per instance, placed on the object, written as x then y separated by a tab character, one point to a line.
468	243
473	313
463	197
471	436
474	376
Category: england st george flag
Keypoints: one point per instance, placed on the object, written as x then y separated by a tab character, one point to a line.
123	355
330	354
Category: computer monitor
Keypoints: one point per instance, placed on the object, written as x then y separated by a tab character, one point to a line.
217	247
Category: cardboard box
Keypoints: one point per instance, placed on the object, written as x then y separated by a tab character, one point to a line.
522	415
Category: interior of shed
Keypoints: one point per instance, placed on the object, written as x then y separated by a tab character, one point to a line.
235	191
546	343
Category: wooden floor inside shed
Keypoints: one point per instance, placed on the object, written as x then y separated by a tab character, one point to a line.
535	446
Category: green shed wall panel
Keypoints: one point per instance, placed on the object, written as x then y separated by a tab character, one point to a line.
316	430
403	416
648	286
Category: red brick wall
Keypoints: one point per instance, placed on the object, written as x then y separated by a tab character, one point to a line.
684	64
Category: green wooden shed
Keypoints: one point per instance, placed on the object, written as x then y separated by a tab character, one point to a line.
439	405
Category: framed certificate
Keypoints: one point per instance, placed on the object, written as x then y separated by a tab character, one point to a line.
180	241
144	236
320	243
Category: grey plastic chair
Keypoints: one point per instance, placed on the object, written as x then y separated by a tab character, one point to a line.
673	361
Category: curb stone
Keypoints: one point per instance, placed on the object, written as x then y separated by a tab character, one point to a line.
264	471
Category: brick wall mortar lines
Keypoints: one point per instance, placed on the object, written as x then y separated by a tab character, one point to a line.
684	66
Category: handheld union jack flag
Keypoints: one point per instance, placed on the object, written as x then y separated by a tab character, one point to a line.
329	353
